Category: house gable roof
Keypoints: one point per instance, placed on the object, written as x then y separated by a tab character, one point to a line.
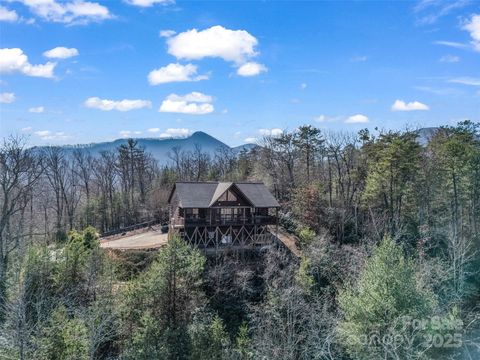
219	191
222	188
205	194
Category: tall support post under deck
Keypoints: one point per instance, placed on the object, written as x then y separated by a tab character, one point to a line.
276	223
217	230
171	224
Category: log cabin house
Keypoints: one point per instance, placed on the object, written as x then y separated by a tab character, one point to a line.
223	215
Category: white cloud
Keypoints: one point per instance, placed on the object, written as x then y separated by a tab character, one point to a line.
439	90
129	133
400	105
50	135
45	70
43	133
194	96
182	132
449	59
14	60
68	12
185	108
166	33
236	46
453	44
429	11
7	98
466	81
473	27
122	105
7	15
231	45
325	118
148	3
251	69
362	58
27	129
303	86
60	53
275	132
37	110
153	130
194	103
356	119
175	73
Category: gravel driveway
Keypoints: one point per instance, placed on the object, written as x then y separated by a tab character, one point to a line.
147	240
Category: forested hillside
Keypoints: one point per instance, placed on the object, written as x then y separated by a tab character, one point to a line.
388	227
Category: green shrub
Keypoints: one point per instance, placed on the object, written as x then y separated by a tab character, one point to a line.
306	237
64	337
379	305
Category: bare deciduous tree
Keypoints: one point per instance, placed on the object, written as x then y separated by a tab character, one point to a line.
20	169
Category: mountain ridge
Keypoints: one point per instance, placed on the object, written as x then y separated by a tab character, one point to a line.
160	148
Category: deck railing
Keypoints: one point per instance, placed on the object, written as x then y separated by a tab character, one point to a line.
130	228
230	220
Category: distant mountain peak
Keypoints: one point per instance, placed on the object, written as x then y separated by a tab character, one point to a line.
205	140
200	134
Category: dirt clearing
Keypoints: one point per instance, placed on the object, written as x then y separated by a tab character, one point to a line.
151	239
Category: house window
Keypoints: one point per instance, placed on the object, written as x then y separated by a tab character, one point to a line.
191	213
226	214
226	211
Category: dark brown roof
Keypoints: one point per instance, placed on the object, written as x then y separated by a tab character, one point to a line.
205	194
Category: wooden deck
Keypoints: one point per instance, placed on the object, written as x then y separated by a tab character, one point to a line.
152	238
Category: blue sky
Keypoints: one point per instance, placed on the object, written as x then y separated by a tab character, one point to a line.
81	72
